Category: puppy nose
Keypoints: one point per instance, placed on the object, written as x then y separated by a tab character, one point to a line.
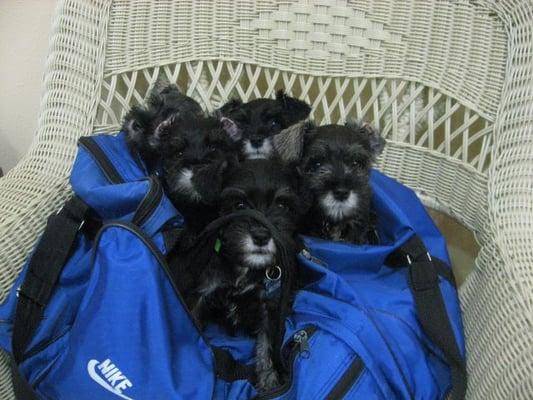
260	236
341	194
256	142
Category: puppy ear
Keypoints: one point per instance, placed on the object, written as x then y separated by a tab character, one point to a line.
230	107
155	98
375	141
162	130
295	110
289	143
231	128
162	85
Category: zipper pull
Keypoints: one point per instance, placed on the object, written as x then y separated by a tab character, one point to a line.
306	254
302	340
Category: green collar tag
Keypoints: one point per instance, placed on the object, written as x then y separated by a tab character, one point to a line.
218	245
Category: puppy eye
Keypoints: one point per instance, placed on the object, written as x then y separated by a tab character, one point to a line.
212	148
239	205
357	164
313	167
282	204
274	124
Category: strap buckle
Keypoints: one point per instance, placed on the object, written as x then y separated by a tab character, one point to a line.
410	261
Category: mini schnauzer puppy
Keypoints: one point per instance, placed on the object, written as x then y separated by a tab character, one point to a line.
190	150
240	291
145	125
335	168
255	122
194	158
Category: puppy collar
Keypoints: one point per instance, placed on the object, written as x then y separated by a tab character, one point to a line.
273	273
218	245
272	281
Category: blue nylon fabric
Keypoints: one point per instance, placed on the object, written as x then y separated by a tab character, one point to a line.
233	390
131	330
129	167
117	201
116	303
61	311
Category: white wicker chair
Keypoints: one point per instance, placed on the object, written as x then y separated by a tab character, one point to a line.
450	83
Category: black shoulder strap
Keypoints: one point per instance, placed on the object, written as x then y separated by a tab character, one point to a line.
398	258
45	266
21	388
431	310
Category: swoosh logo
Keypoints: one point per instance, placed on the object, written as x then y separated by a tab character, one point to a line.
91	369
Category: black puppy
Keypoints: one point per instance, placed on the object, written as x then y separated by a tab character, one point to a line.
335	168
195	155
145	125
241	290
170	131
255	122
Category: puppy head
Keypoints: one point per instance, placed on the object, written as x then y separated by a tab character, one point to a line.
146	126
255	122
336	166
194	160
270	188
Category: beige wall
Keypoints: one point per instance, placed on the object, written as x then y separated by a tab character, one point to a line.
24	30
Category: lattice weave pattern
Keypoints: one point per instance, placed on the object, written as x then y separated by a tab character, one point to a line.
449	45
449	83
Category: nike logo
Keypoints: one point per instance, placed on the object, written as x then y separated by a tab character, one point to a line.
107	375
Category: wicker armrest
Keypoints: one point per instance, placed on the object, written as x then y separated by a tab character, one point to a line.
71	88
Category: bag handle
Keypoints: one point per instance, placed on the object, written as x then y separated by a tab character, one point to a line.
44	269
431	310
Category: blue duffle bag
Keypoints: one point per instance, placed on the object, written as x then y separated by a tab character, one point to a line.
95	315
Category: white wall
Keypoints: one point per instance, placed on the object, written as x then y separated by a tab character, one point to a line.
24	30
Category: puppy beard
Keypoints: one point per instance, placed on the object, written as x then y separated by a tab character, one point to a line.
185	186
257	257
251	152
337	210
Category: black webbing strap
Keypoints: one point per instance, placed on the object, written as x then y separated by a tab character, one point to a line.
230	370
22	389
431	311
398	258
45	266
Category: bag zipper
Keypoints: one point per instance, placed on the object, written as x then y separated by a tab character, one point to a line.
300	346
347	380
307	254
149	202
101	159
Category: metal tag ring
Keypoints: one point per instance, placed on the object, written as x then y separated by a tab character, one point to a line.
273	273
